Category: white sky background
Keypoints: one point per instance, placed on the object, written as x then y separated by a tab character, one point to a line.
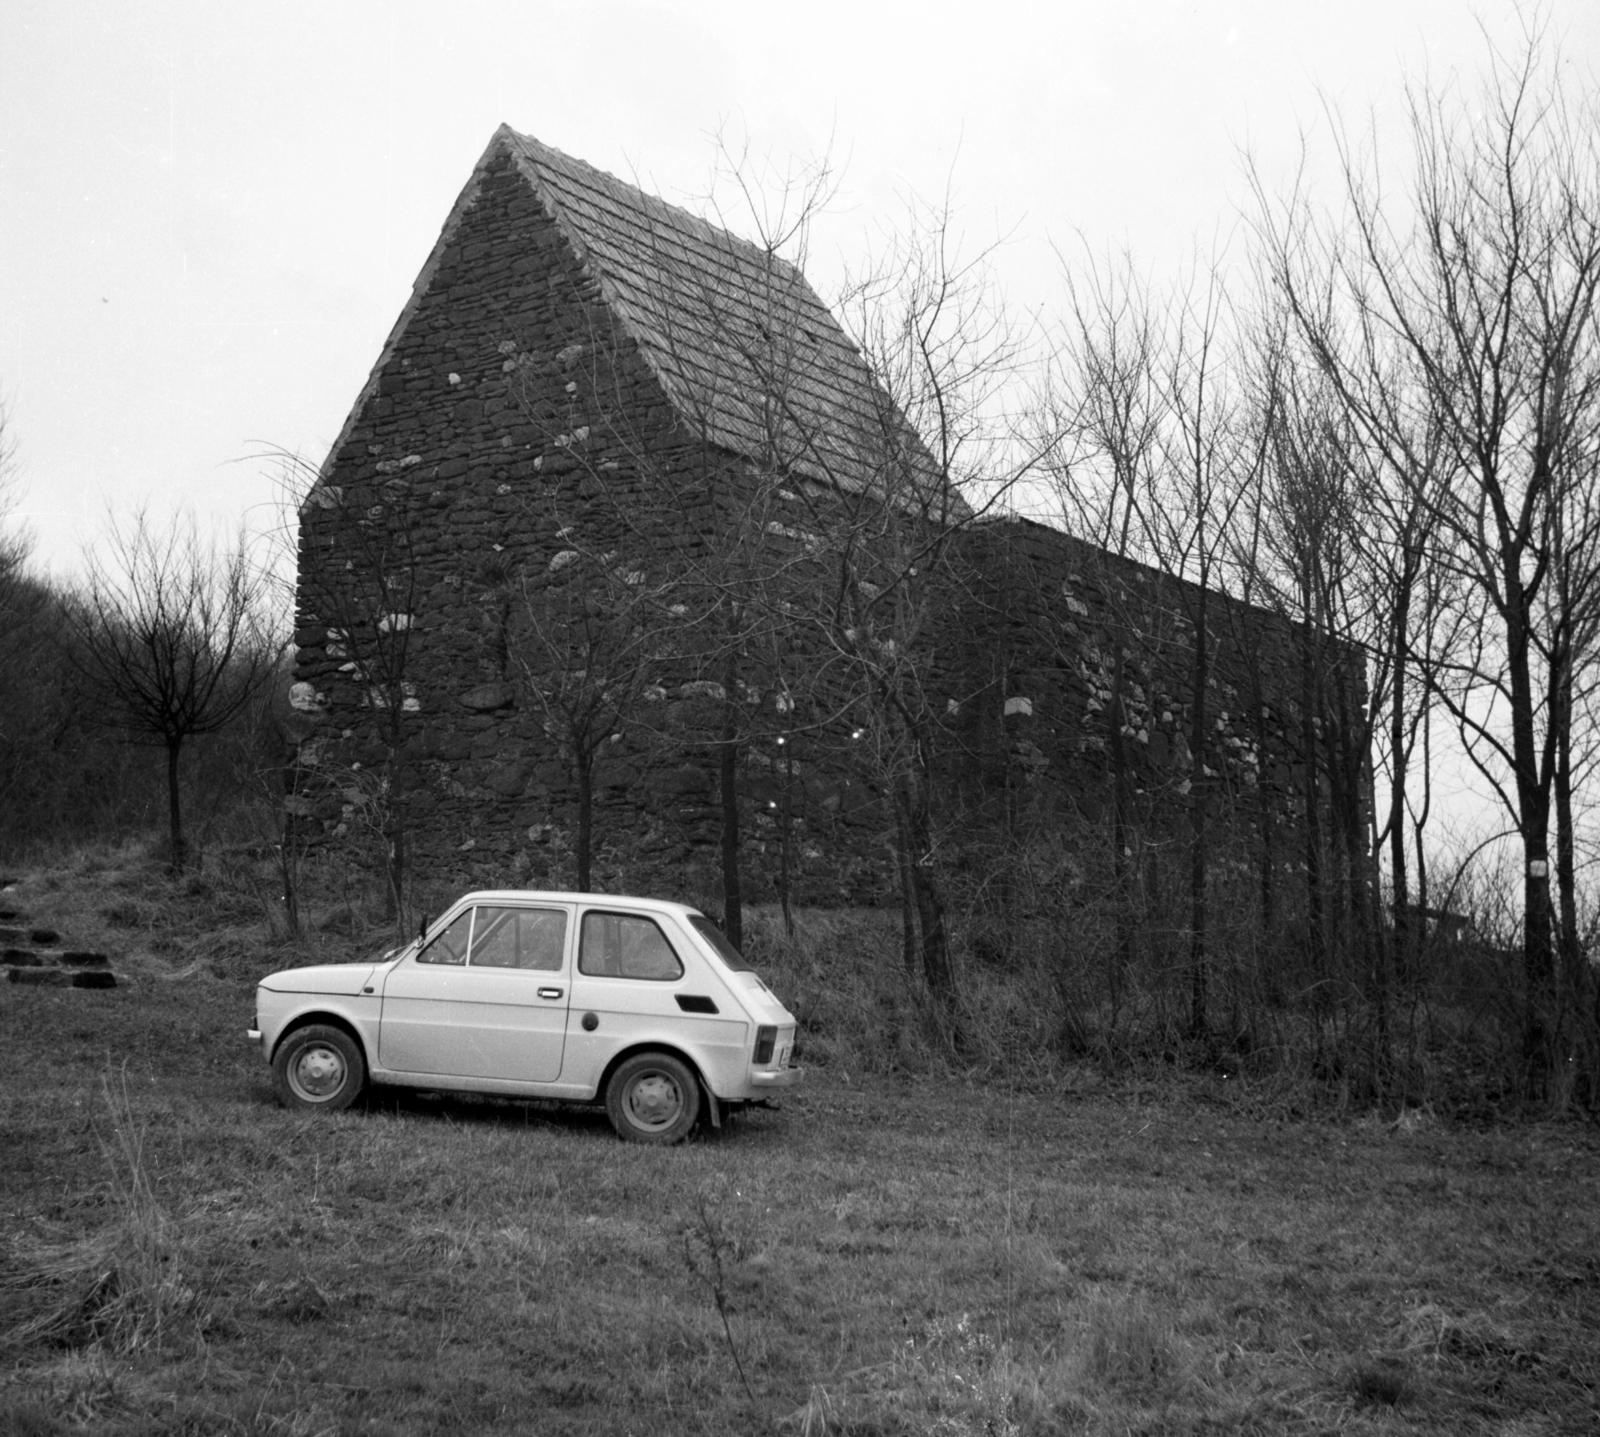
210	215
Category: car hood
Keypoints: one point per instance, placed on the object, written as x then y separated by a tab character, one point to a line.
324	978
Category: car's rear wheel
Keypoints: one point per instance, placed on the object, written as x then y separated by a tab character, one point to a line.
653	1098
320	1067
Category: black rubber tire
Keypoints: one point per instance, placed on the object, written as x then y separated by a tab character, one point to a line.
653	1098
318	1067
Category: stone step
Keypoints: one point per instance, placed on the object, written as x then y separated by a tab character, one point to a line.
45	965
63	977
42	937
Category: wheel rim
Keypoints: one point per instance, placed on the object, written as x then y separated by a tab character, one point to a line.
317	1073
654	1101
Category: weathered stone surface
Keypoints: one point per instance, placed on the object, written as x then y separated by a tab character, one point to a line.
41	977
94	980
676	782
485	698
517	476
509	780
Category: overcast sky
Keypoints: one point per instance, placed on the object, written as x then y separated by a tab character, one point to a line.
212	214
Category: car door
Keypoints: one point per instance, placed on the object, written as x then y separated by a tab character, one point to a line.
485	998
633	981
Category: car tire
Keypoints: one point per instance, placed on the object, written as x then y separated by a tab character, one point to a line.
653	1098
318	1067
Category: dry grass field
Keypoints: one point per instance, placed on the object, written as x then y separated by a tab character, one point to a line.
881	1255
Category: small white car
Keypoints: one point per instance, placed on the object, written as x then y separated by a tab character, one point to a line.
638	1003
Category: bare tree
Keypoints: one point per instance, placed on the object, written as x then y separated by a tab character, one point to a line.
587	636
1470	315
169	631
942	353
356	598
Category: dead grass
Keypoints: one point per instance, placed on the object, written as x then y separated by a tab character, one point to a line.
898	1250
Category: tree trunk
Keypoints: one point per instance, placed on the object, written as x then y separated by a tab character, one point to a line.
786	840
1310	761
908	893
1199	855
936	967
1566	867
179	856
1533	821
1403	927
1368	940
394	819
585	773
728	777
1121	858
1266	824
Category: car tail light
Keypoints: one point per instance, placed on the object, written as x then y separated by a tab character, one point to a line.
765	1038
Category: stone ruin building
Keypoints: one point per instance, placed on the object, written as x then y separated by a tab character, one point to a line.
594	404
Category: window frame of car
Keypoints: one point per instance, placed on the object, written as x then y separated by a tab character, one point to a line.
663	929
708	932
470	912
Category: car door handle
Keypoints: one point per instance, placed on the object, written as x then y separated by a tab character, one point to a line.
549	992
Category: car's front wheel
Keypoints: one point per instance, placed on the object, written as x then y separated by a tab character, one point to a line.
653	1098
318	1066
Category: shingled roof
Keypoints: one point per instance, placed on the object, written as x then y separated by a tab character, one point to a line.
748	355
744	348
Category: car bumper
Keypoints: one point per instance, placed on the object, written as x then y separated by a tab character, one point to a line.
777	1078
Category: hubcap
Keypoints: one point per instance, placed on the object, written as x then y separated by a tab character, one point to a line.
654	1101
318	1073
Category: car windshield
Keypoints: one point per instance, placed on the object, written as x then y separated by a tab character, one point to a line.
719	940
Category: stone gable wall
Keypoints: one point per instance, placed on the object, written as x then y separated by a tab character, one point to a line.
513	429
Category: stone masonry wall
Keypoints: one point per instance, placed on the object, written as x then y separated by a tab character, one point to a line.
1043	614
511	428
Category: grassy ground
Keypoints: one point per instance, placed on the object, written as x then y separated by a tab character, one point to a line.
879	1256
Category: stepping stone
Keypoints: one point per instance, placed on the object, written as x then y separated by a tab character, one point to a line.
44	977
21	958
94	980
75	959
44	937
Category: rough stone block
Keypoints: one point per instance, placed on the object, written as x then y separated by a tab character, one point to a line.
41	977
509	780
94	980
21	958
485	698
44	937
77	958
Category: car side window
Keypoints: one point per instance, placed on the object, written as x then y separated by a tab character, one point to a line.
451	945
624	945
533	938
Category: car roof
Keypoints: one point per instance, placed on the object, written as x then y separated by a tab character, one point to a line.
603	900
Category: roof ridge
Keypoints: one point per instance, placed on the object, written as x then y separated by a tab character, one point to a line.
538	153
